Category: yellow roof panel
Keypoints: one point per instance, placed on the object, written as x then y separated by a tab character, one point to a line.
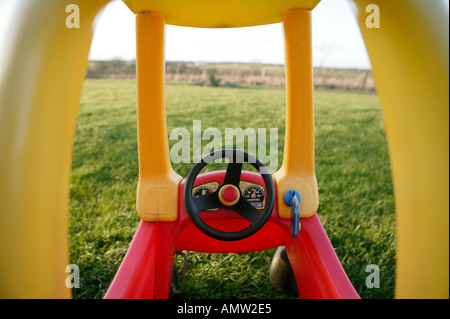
219	13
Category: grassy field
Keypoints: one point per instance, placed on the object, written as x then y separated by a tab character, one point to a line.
352	166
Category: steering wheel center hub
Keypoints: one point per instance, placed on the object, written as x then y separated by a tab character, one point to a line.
229	195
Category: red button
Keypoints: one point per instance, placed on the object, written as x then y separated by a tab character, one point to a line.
229	193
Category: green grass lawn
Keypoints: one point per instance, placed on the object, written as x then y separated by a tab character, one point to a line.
352	167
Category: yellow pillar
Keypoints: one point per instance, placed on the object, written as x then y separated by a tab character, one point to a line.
41	77
157	193
409	54
298	170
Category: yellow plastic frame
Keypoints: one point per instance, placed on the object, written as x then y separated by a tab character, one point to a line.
219	13
41	76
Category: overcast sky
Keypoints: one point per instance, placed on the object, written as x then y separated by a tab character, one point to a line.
336	38
337	41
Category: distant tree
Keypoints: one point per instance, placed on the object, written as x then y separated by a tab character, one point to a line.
212	78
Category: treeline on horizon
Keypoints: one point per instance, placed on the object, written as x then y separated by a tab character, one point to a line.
234	74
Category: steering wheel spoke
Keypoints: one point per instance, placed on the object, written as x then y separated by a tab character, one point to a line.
233	174
247	211
206	202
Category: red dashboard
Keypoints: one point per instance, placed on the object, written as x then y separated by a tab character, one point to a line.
251	186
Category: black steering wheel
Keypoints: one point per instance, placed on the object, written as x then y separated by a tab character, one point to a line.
229	195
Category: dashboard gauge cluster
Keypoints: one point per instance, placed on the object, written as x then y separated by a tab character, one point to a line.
201	191
253	193
205	189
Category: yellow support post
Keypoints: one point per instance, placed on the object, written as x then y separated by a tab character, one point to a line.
409	54
157	194
41	77
298	170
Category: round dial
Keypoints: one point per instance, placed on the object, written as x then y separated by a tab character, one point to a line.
255	196
202	191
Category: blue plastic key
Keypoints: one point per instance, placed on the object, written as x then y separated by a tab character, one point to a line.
292	198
